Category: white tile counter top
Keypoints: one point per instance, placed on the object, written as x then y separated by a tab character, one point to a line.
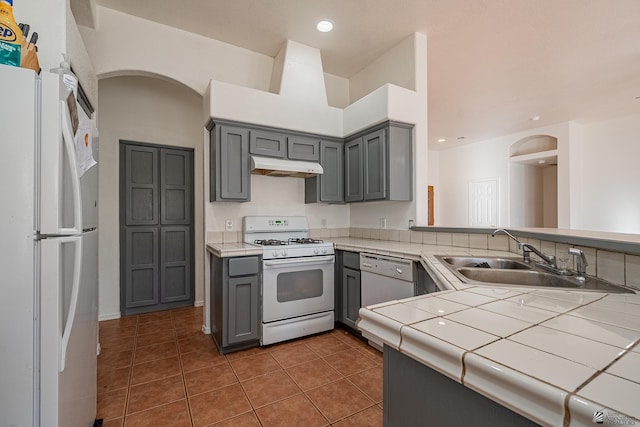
224	250
553	356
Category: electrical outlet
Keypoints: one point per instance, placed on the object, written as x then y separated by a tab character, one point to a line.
411	223
323	223
383	223
228	225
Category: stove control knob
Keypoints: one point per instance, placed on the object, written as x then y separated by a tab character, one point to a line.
323	250
316	251
283	253
275	253
398	270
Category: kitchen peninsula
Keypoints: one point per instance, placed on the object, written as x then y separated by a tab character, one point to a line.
553	356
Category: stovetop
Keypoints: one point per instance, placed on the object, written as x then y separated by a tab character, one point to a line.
283	237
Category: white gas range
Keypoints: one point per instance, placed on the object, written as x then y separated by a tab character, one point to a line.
297	277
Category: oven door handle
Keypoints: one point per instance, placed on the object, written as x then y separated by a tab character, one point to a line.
315	260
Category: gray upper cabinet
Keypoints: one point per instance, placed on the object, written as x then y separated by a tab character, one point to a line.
229	174
270	144
353	189
328	187
379	164
302	148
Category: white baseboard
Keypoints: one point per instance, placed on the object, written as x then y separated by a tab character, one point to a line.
110	316
198	303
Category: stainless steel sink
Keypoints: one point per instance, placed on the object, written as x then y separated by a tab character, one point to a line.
501	271
486	262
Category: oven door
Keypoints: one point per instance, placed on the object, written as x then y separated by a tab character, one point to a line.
296	287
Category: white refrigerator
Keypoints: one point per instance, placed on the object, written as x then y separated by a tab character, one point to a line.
48	258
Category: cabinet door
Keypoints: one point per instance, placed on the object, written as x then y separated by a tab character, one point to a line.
332	180
242	321
270	144
175	187
353	173
175	263
141	267
375	165
141	185
230	158
350	296
300	148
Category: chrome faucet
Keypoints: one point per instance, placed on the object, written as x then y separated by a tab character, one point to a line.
526	248
581	262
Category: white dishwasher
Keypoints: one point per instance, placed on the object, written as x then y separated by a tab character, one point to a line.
385	278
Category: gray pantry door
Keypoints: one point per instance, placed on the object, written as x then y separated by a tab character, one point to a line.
156	221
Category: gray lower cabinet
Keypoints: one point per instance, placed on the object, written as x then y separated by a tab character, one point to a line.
416	395
347	290
328	187
235	302
229	170
379	164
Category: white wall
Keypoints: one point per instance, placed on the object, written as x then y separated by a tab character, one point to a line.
490	158
610	175
527	211
147	110
124	44
396	66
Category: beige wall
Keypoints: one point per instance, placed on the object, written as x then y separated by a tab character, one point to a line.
147	110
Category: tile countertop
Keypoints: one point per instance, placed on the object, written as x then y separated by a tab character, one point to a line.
553	356
224	250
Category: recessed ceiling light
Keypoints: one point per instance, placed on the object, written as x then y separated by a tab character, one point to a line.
324	26
441	140
535	118
460	138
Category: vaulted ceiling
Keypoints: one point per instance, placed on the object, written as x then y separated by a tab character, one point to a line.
492	64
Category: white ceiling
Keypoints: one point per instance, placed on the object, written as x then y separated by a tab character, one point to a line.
492	64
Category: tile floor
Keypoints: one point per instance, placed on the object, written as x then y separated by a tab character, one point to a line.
158	369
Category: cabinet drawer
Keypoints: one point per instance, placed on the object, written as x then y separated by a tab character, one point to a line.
244	266
300	148
351	260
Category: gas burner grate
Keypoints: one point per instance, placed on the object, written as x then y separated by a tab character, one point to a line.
305	241
270	242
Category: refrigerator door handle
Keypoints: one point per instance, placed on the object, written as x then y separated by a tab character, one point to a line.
67	136
73	303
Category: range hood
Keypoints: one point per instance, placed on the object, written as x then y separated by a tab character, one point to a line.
283	167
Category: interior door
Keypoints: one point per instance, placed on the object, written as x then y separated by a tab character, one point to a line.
157	228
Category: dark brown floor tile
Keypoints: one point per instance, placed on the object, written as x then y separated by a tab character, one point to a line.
349	362
293	355
269	388
196	342
369	382
155	393
246	353
111	405
187	311
155	326
294	411
118	422
313	374
118	332
166	335
245	420
154	352
372	353
155	370
113	379
185	321
110	359
218	405
349	338
253	366
339	399
174	414
326	345
117	323
187	331
155	316
371	417
201	359
117	343
209	378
